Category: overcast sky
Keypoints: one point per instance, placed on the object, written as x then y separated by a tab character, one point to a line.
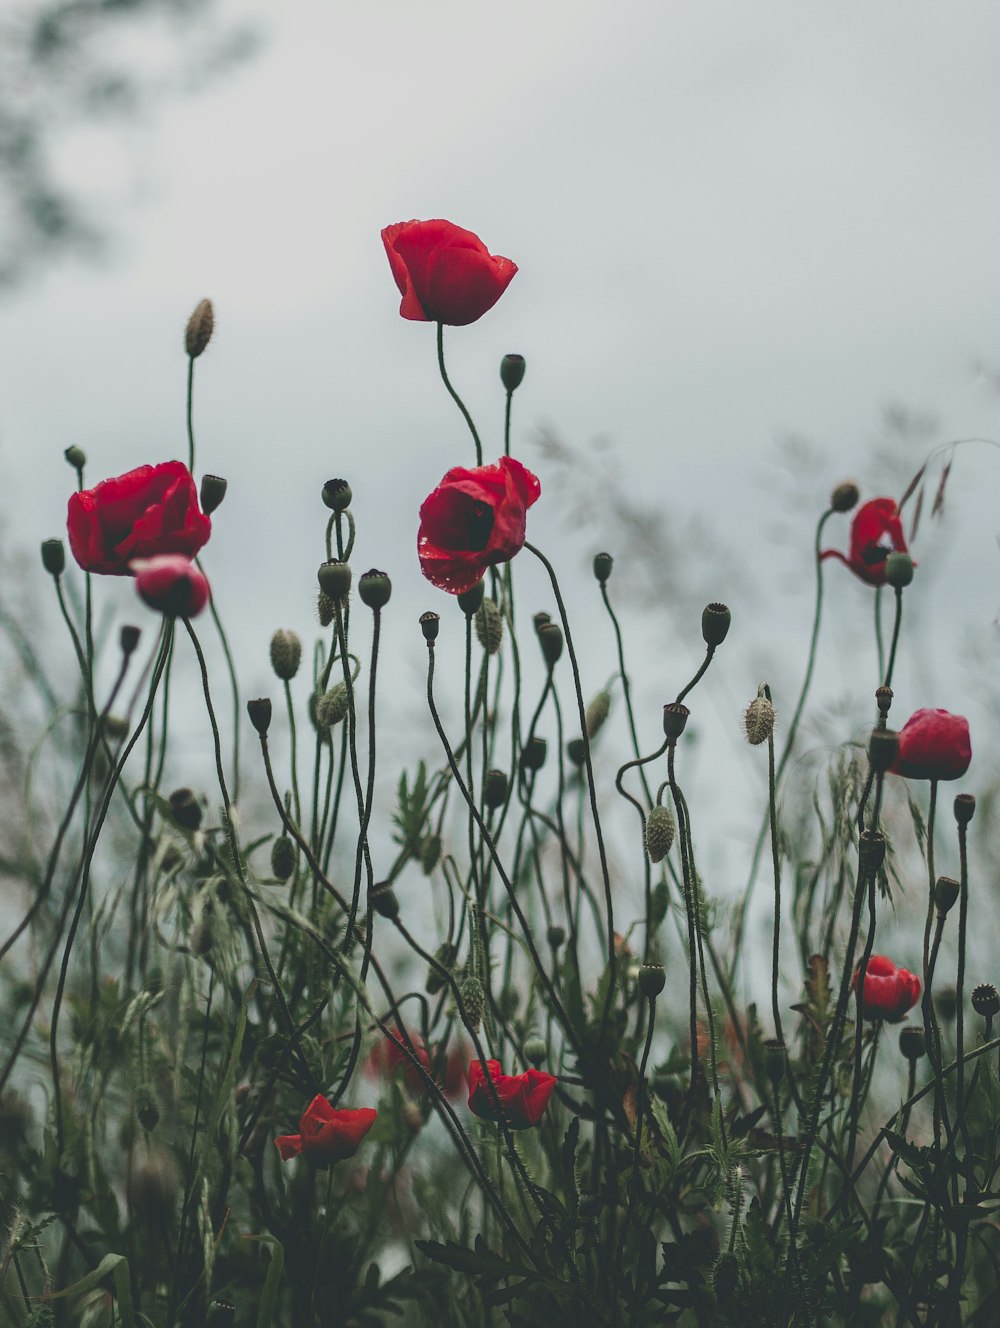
733	222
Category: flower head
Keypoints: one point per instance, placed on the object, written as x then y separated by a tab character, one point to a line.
171	583
325	1134
933	744
522	1097
876	531
472	520
889	991
389	1054
444	274
140	514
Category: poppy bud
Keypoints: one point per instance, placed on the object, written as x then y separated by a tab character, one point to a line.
185	808
430	853
470	600
212	491
576	750
384	901
660	831
286	654
512	372
536	1050
334	578
883	699
758	718
555	936
652	980
533	754
946	891
898	570
871	852
430	623
332	706
675	716
774	1061
603	563
435	980
260	714
472	1004
883	748
725	1276
912	1042
324	609
550	638
495	789
489	626
715	622
200	327
282	858
374	589
53	556
337	495
129	638
985	1000
76	457
965	808
845	496
596	713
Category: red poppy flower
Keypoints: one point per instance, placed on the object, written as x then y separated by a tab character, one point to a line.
522	1097
145	512
876	531
389	1054
472	520
444	274
933	744
889	991
325	1134
172	584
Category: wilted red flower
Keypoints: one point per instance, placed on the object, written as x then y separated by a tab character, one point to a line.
876	531
889	991
933	744
326	1135
444	274
522	1097
472	520
145	512
171	583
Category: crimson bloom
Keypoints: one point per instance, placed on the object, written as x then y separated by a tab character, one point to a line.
140	514
172	584
444	274
326	1135
889	991
522	1097
876	531
472	520
933	744
388	1055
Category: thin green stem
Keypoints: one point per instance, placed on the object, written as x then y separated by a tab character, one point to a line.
454	395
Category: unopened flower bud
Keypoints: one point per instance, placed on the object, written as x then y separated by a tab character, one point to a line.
576	750
512	371
660	831
946	891
212	491
337	495
533	754
986	1000
374	589
675	716
964	808
715	622
758	718
430	623
883	748
282	858
53	556
185	808
332	706
200	327
260	714
652	979
286	654
603	563
384	901
470	600
436	980
596	713
550	638
489	626
912	1042
898	570
472	1004
883	699
495	789
536	1050
430	853
324	609
555	936
871	852
845	496
76	457
334	578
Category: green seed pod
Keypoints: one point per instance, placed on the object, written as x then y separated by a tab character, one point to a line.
53	556
282	857
533	754
965	808
430	624
470	600
445	956
430	853
259	711
576	750
946	892
473	1003
334	578
986	1000
898	570
374	589
286	654
715	623
76	457
495	789
550	638
212	491
603	563
337	495
660	831
652	979
675	716
883	748
536	1050
912	1042
332	706
871	852
597	713
384	901
512	372
489	626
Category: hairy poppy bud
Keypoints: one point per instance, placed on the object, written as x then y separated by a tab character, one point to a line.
883	748
200	327
512	372
76	457
332	706
883	699
212	491
495	789
555	936
596	713
603	563
260	714
986	1000
871	852
129	638
489	626
436	980
384	901
898	570
652	980
758	718
660	831
946	891
550	638
337	495
374	589
533	754
470	600
53	556
845	496
185	808
965	808
912	1042
430	623
324	609
715	622
282	858
472	1004
536	1050
576	750
334	578
675	716
286	654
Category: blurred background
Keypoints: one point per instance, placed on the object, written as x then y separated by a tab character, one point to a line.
758	256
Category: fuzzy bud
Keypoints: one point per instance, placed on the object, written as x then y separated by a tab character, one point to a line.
200	327
964	808
53	556
986	1000
845	496
436	980
883	748
470	600
332	706
946	891
912	1042
260	714
212	491
758	718
337	495
596	713
430	623
675	716
660	831
495	789
533	754
550	638
652	979
489	626
286	654
898	570
76	457
603	563
715	622
185	808
374	589
384	901
536	1050
334	578
512	372
282	858
472	1003
324	609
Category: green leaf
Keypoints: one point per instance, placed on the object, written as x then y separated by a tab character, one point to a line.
269	1295
112	1265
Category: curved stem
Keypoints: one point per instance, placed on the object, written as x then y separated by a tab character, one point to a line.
454	395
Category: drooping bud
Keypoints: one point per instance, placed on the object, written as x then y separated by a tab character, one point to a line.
576	750
596	713
200	327
470	600
430	623
536	1051
550	638
212	491
337	495
871	852
128	639
715	622
946	891
758	718
964	808
912	1042
660	831
185	808
533	754
76	457
259	711
472	1005
675	716
282	858
898	570
286	654
986	1000
332	706
845	496
53	556
555	936
603	563
384	901
883	699
512	372
489	626
883	748
495	789
652	979
436	980
334	578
